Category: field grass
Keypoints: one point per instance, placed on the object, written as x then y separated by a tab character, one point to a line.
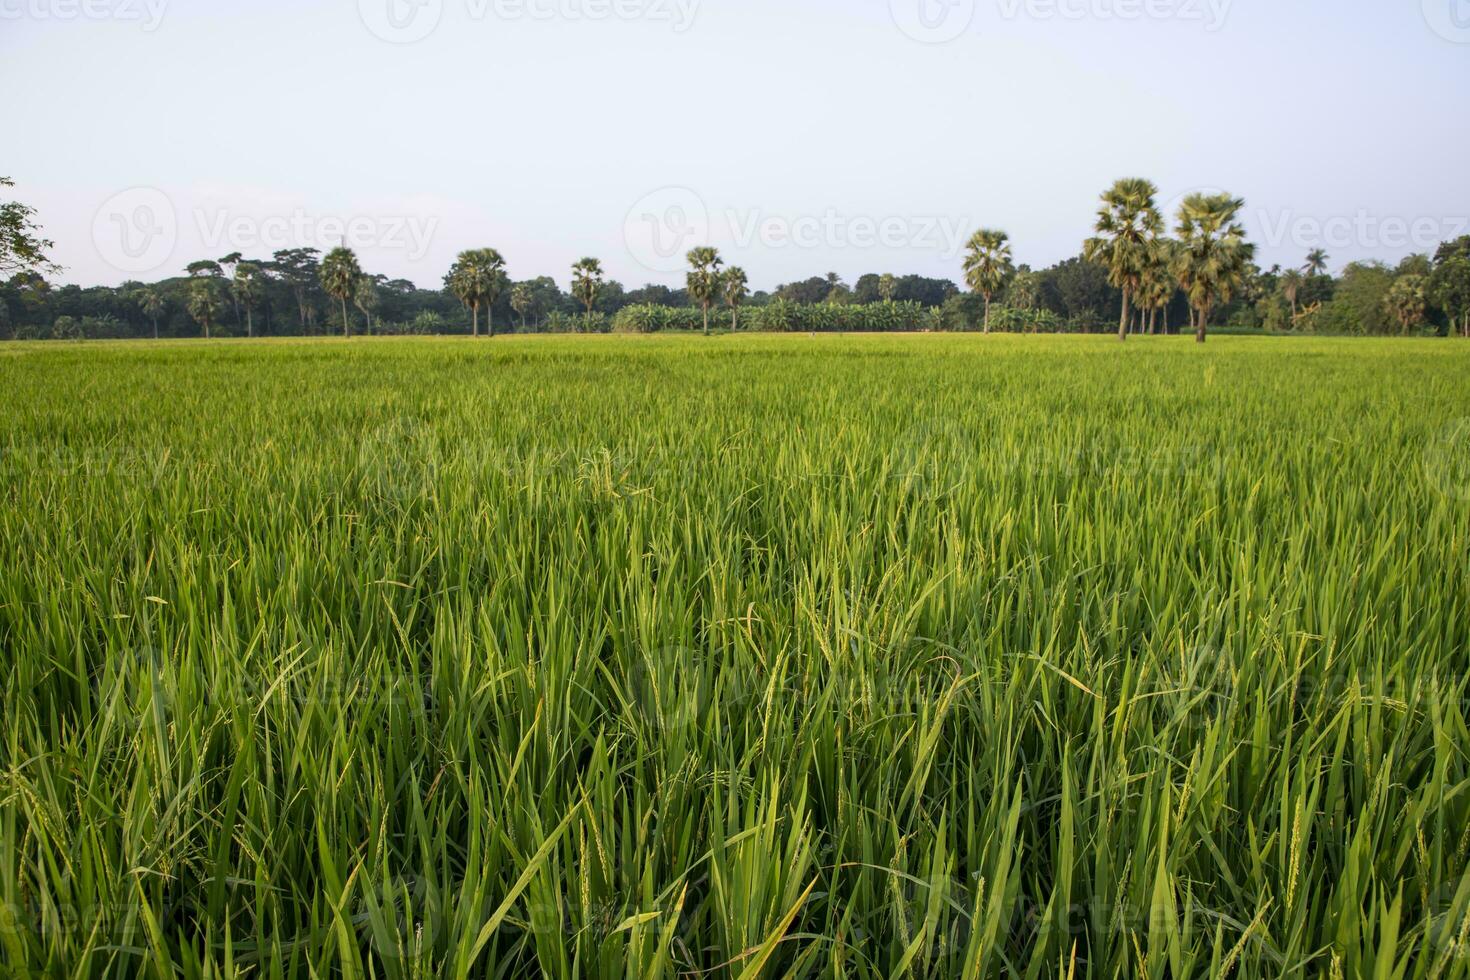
934	656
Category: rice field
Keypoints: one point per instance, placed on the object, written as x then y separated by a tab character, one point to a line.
748	656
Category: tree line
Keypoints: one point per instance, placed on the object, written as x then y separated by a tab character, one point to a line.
1131	272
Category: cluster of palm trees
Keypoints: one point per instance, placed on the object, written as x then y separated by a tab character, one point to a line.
1209	259
478	277
341	277
707	283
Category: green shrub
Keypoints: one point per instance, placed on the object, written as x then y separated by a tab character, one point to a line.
781	316
652	318
560	322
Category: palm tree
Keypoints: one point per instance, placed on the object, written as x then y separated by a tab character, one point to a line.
887	286
1405	301
520	301
1024	292
1291	288
476	279
203	303
1213	255
736	285
246	289
837	291
988	265
151	303
704	279
1156	285
586	282
1316	263
365	297
229	265
339	275
1127	223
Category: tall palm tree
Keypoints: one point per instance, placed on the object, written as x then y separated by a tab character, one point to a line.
887	286
736	285
587	282
476	279
1213	255
988	265
1291	288
339	274
151	303
1127	224
366	298
246	289
203	303
520	301
704	279
1316	263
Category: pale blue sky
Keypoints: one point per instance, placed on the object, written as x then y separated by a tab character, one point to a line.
799	136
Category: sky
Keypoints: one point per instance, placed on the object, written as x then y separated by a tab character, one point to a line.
799	137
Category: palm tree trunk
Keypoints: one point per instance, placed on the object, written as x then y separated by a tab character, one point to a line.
475	308
490	320
734	318
1123	320
1199	330
987	313
155	328
249	322
345	331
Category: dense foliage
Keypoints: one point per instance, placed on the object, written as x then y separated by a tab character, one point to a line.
1130	269
748	656
1074	296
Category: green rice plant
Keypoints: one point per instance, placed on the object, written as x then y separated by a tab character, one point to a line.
745	656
